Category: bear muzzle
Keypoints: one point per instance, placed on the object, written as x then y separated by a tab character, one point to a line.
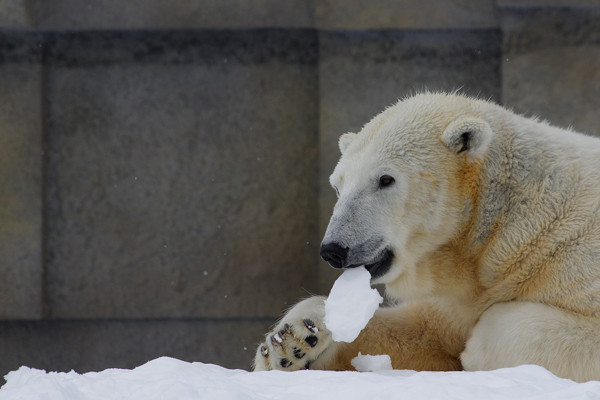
336	255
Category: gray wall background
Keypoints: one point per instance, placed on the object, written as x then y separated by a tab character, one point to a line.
164	164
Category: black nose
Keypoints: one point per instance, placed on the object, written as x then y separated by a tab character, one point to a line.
334	254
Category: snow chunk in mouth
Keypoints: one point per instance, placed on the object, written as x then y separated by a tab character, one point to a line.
351	304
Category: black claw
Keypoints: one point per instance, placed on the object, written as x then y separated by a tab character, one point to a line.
285	362
312	340
286	330
276	339
310	325
298	353
307	365
264	351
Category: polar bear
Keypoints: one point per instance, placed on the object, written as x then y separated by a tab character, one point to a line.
484	227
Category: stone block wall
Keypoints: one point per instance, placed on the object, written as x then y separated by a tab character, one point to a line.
164	164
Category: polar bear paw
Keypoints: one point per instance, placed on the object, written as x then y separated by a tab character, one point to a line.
298	341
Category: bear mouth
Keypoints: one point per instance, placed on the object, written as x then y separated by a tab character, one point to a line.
381	266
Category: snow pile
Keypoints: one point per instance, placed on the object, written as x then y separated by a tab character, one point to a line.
351	304
369	363
167	378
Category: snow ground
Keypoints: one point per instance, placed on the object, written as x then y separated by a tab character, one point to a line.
167	378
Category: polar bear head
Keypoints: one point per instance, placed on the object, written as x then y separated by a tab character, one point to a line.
406	184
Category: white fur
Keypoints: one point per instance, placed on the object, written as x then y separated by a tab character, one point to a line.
345	141
516	333
479	131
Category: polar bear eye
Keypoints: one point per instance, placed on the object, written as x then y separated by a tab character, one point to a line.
385	181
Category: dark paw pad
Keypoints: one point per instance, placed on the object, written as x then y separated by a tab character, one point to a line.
312	340
298	353
285	362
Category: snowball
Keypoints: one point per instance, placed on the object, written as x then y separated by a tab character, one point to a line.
369	363
351	304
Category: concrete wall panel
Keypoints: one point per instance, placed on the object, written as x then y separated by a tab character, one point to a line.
183	184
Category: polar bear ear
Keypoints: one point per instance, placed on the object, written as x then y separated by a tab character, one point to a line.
345	141
468	135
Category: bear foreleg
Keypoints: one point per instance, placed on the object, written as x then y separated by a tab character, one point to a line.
517	333
419	336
